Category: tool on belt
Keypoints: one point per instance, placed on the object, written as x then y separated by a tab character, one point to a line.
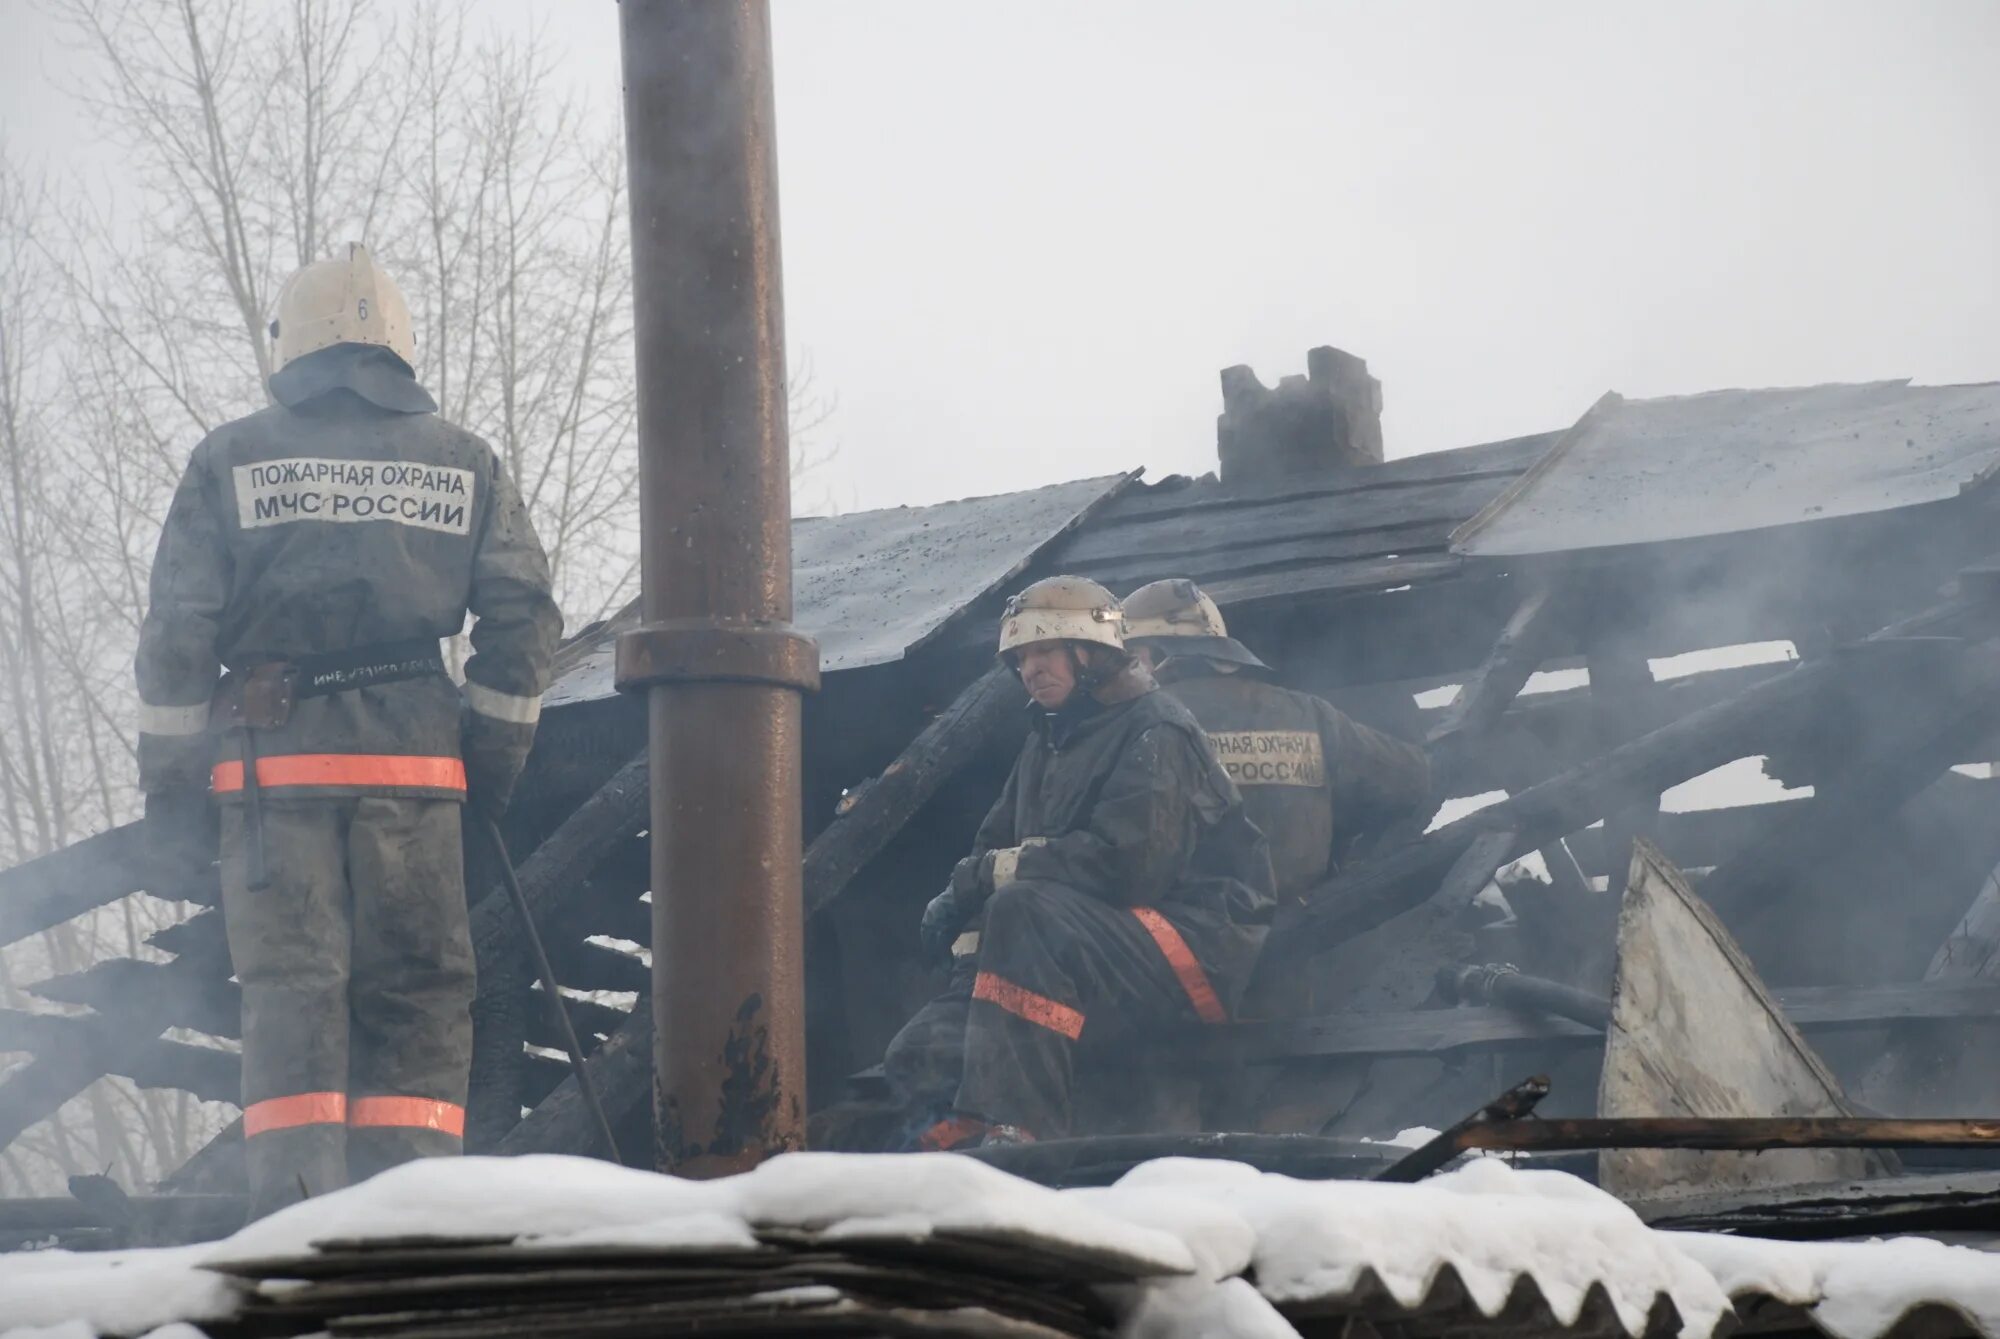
549	987
261	697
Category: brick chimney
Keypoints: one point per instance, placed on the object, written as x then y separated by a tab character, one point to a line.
1307	428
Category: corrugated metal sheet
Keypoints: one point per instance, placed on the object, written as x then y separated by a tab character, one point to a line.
876	585
1647	471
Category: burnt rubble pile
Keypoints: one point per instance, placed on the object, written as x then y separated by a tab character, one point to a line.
1787	598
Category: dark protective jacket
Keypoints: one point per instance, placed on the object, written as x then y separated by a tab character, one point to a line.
346	519
1313	780
1122	799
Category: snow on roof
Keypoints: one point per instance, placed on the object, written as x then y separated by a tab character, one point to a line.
1204	1247
1854	1289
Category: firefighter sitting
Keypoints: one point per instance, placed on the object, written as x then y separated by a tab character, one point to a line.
1116	881
1313	780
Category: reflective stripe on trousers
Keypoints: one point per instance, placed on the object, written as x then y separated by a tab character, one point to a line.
1187	970
1026	1004
301	1109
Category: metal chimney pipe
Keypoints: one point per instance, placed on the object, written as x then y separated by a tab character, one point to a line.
722	667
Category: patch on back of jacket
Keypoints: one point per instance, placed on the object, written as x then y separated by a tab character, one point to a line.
1270	757
306	488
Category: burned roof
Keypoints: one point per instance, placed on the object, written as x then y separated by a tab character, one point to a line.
1647	471
873	586
1347	582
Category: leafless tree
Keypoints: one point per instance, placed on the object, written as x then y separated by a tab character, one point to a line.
255	136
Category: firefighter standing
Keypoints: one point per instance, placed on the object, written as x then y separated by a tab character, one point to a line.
1313	780
1115	880
317	551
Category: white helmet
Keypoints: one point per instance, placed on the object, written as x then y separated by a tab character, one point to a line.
1062	609
343	301
1178	618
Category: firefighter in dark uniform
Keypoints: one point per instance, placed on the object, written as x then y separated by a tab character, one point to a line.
1116	881
1313	780
313	557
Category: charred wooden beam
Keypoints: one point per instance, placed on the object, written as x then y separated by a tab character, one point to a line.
1515	1104
1891	762
1747	1133
556	881
1620	684
621	1070
876	812
1517	652
156	994
97	871
857	834
115	1044
212	1074
1441	1032
1750	722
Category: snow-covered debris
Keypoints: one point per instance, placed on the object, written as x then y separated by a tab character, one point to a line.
859	1197
1319	1241
503	1199
550	1200
108	1292
1854	1290
1198	1247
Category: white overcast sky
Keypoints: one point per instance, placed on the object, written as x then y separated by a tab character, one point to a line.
1022	238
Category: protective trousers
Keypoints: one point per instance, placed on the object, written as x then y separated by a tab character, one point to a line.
357	974
998	1047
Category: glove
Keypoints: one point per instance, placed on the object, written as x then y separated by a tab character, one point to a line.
956	907
492	766
183	835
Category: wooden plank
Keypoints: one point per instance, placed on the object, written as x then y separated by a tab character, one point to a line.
1441	1032
1424	516
1890	765
118	1044
1500	461
1754	721
1694	1032
1620	685
209	1073
876	812
164	995
589	966
557	881
1489	690
95	872
853	838
621	1070
1248	556
1372	575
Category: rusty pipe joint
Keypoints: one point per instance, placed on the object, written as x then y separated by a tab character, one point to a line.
716	650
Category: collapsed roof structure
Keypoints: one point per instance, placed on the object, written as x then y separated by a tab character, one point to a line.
1849	527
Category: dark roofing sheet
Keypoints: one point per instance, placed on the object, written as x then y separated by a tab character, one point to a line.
875	585
1377	528
1647	471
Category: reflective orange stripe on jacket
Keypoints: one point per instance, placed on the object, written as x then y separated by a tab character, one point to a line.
1181	958
1024	1003
408	1113
288	1113
344	769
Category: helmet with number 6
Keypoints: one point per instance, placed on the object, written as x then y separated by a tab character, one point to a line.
347	300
